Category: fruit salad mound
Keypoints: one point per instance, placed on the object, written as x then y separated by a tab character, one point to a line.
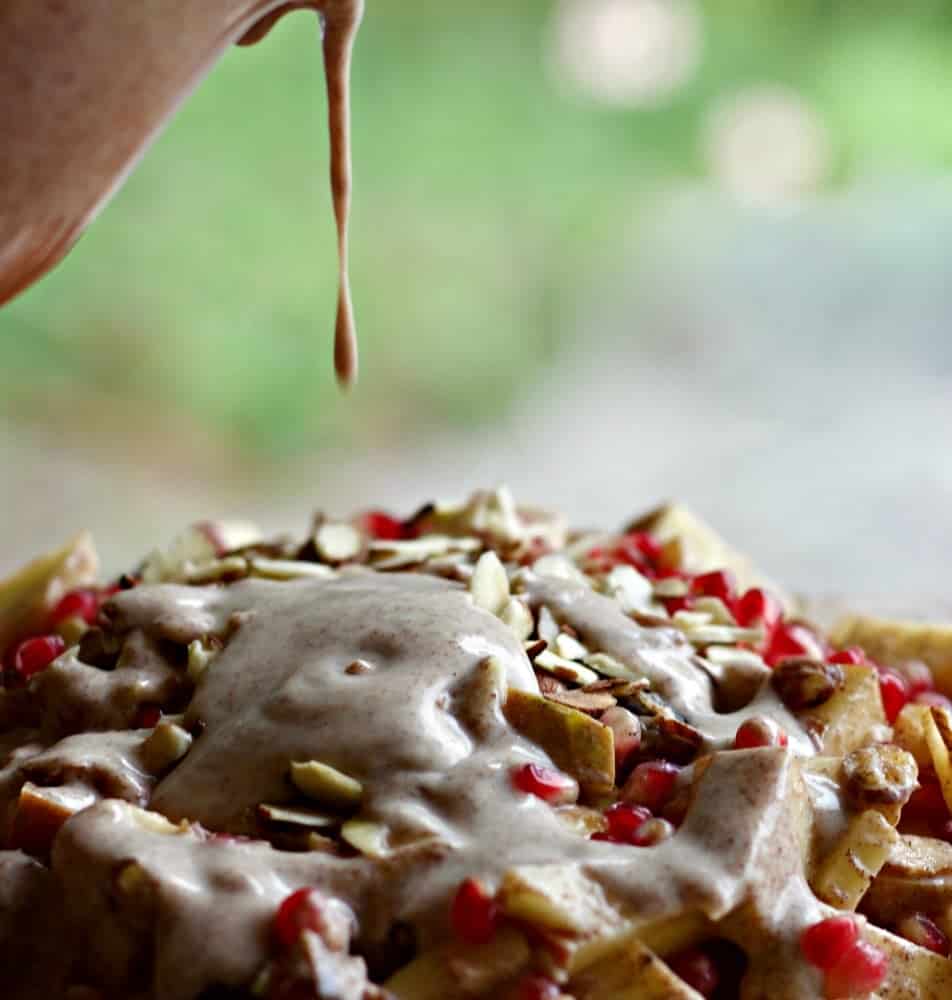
470	753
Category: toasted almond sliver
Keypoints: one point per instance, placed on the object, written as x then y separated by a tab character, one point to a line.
561	567
717	609
721	635
216	569
608	666
337	542
367	837
288	569
199	657
326	784
584	701
564	669
671	586
489	586
296	816
691	619
568	647
729	656
165	745
518	617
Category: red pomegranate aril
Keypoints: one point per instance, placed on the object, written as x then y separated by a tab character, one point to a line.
757	607
792	639
382	526
824	943
721	583
759	731
538	988
34	655
639	550
545	783
624	820
895	694
923	931
675	604
852	654
927	802
933	698
474	915
651	784
76	604
918	677
299	912
147	717
859	971
697	969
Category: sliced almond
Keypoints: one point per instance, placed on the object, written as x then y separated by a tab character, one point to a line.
199	657
729	656
399	554
721	635
367	837
584	701
296	816
671	586
337	542
716	608
326	784
561	567
216	570
489	585
564	669
166	744
288	569
569	647
518	617
608	666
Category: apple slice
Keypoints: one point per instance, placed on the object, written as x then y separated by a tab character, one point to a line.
42	811
28	597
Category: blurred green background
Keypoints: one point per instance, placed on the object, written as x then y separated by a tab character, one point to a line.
516	168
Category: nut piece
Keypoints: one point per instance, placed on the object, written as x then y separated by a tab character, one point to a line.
489	586
518	617
326	784
883	774
337	543
802	682
165	745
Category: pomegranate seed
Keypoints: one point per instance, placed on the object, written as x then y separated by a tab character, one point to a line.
674	604
651	784
759	731
380	525
639	550
918	677
932	698
697	969
624	820
921	930
34	655
792	639
76	604
474	914
147	717
757	607
859	971
545	783
721	583
852	654
895	694
626	728
301	911
538	988
824	943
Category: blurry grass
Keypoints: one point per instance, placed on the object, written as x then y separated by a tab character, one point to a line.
487	202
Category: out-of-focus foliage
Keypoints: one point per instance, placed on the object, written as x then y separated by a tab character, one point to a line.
489	198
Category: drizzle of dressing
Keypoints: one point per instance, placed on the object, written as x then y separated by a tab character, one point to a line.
85	85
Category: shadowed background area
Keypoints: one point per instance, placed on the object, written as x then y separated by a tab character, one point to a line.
605	250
